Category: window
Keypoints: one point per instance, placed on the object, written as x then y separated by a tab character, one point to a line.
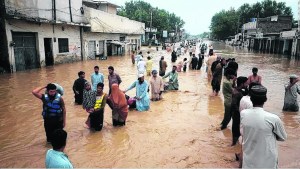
63	45
122	38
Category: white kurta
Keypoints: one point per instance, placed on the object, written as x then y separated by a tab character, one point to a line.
245	103
260	130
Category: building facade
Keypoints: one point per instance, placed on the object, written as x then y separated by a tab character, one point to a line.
43	33
263	34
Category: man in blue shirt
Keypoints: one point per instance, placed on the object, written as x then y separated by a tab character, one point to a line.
96	78
56	158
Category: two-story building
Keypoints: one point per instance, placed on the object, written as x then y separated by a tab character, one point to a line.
42	33
110	34
37	33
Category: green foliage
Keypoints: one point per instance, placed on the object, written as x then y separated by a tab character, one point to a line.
161	19
226	23
203	35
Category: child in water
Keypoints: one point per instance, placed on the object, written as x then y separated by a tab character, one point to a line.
185	62
89	99
179	66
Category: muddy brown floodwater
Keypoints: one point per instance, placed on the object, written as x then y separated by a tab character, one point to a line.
179	131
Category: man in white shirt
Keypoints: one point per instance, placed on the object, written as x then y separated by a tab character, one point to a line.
141	66
138	57
260	130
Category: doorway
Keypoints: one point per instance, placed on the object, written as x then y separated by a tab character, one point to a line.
48	51
25	51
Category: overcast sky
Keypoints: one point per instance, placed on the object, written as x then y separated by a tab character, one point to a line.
197	14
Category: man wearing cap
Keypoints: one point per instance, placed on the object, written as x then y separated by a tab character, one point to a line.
142	97
260	130
292	89
173	79
157	86
141	66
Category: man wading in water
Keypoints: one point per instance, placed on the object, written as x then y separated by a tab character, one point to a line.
54	111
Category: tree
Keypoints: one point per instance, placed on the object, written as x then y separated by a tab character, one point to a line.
243	15
224	24
161	19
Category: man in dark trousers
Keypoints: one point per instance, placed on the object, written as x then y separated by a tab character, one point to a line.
237	94
54	111
78	87
194	62
200	60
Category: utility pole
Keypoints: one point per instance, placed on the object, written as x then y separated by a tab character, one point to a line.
150	34
176	31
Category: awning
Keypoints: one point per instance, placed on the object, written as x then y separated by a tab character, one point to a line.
117	43
131	44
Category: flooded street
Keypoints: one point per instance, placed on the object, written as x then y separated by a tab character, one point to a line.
179	131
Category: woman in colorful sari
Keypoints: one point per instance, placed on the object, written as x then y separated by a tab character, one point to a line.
119	106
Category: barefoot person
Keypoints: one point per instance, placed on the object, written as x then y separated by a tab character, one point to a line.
54	111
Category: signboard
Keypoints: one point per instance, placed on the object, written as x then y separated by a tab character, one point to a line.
259	35
165	34
152	30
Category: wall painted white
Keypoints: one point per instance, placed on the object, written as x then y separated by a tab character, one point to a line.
46	31
93	36
110	23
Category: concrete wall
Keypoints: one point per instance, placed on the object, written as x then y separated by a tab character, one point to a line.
265	25
288	34
105	7
111	9
249	25
42	9
92	36
132	39
45	30
110	23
